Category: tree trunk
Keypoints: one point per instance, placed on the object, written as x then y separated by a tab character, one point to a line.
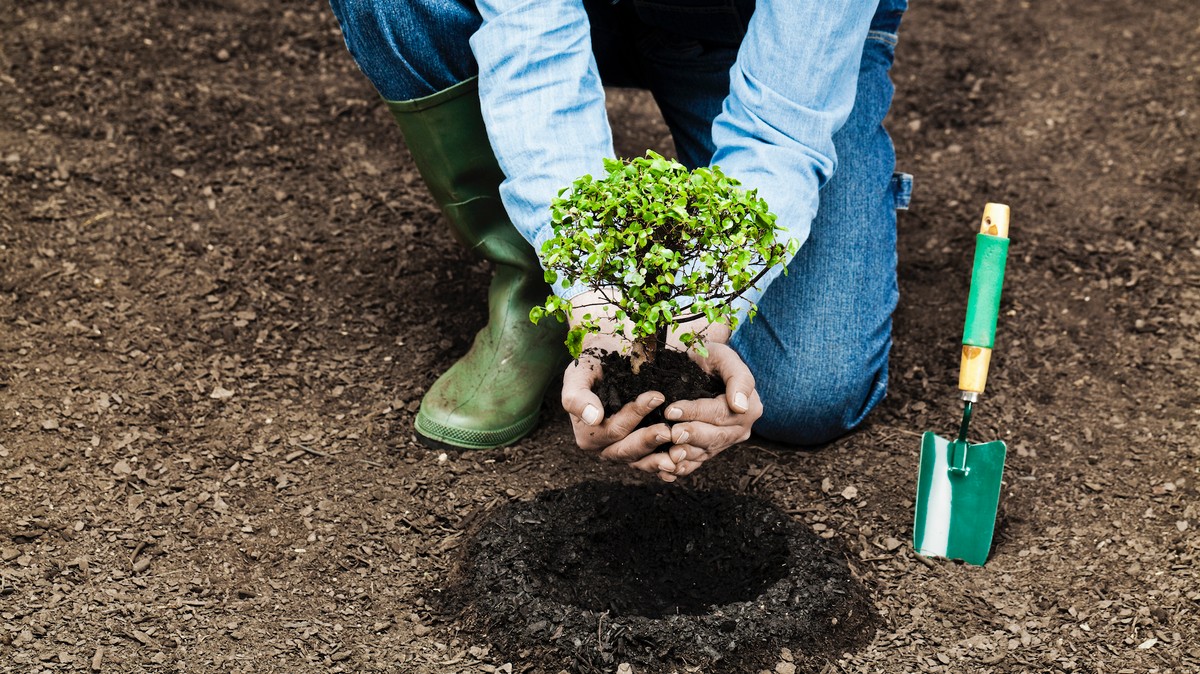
645	350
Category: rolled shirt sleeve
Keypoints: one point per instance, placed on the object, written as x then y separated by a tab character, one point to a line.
791	88
543	103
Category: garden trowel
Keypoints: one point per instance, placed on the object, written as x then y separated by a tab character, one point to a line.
958	486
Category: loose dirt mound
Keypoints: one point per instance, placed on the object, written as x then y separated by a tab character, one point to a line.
599	574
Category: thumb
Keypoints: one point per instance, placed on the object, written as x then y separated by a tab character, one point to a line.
577	396
739	382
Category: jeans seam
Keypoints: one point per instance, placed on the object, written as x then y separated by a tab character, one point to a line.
883	36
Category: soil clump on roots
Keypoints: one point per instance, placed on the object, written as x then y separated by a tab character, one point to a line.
672	373
599	574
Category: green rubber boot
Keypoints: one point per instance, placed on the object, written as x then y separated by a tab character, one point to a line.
493	395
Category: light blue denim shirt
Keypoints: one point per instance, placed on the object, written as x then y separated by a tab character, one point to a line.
792	86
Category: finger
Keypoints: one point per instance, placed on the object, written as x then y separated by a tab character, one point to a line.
587	437
577	397
715	411
686	468
655	462
708	436
638	444
628	417
690	453
677	453
666	477
710	410
618	425
739	382
694	453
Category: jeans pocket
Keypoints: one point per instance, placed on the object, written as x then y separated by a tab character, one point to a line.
902	186
718	22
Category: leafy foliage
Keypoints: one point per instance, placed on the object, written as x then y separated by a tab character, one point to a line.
664	245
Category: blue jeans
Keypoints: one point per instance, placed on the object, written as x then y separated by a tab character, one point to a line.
819	345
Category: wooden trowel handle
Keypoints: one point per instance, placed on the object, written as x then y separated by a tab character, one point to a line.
983	306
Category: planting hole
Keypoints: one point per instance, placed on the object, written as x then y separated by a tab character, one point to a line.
659	552
659	576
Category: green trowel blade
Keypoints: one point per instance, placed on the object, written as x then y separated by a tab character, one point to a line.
956	509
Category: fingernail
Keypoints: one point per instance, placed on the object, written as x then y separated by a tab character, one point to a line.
662	438
683	437
591	415
674	413
739	402
655	401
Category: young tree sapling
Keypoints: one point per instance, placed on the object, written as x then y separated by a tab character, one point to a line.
663	245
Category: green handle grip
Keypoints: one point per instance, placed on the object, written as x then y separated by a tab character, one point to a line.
987	277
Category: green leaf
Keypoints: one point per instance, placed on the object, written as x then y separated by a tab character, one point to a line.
536	314
575	342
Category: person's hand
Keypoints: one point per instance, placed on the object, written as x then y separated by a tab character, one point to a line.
616	438
701	429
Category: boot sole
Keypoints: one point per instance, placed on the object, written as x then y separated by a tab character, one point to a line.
440	436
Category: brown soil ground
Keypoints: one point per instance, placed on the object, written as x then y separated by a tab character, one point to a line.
223	290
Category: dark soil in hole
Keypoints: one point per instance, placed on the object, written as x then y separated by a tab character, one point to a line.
672	373
598	574
704	549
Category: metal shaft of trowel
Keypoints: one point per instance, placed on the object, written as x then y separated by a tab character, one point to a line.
959	448
968	407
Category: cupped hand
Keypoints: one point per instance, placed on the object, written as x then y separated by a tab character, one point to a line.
616	438
701	429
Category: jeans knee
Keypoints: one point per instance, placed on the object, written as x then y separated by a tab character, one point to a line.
409	49
360	21
820	402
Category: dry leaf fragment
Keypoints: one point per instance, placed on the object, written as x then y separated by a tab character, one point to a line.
220	393
143	638
850	492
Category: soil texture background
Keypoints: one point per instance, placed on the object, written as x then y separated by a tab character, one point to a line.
224	289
